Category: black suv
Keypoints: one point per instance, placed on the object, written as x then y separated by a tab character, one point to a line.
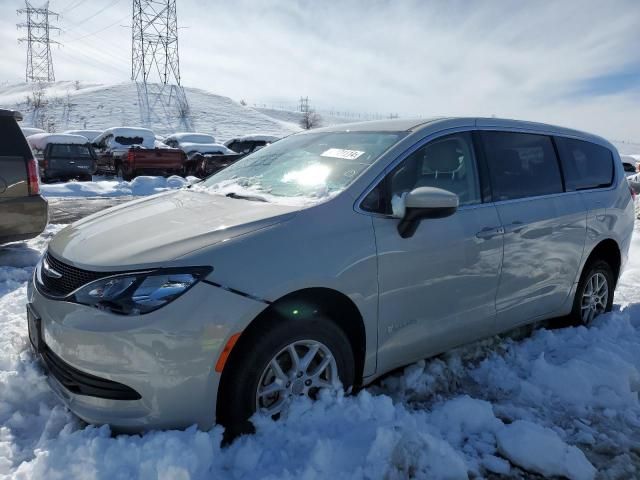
23	211
63	161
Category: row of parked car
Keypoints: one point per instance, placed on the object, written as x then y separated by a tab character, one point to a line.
128	152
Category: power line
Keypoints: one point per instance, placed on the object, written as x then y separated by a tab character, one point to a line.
96	58
38	26
80	23
97	31
72	5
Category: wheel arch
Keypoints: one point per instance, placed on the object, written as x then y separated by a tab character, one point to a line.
609	251
305	303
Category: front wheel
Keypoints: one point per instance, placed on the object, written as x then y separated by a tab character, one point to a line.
273	365
594	294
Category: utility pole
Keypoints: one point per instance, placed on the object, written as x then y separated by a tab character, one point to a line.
38	26
155	64
304	104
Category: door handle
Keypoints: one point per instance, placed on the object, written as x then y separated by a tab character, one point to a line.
490	232
514	227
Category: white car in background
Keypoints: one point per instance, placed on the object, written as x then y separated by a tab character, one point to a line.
88	134
205	149
28	131
177	140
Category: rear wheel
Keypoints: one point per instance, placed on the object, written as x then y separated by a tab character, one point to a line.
272	366
120	172
594	294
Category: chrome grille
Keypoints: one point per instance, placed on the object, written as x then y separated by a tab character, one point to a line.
71	278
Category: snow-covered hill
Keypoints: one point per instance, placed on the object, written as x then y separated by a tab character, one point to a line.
627	148
81	105
293	118
71	105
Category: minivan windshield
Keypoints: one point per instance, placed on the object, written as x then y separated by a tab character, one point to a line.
307	166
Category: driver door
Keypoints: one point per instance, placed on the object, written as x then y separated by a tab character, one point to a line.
437	288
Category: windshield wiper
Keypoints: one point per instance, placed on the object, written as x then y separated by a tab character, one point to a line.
253	198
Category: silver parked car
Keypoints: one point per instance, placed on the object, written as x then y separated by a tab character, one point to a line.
334	255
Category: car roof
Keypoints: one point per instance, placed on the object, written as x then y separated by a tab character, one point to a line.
11	113
437	123
394	125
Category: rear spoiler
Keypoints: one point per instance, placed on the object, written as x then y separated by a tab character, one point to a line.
11	113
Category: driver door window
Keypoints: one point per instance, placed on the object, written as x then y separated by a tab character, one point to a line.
447	163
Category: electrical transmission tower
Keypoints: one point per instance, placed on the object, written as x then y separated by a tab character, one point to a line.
155	65
38	26
304	104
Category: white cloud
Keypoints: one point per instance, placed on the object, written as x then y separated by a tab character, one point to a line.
517	59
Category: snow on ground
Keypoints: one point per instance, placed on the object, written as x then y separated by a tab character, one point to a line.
560	402
101	187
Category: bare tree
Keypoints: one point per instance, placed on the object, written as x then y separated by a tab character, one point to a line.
39	103
310	119
39	98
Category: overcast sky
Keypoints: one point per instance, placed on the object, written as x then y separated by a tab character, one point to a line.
574	63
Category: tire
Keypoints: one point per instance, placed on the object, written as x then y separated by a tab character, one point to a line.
121	173
602	270
250	360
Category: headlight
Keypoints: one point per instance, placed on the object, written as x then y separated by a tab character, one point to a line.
138	293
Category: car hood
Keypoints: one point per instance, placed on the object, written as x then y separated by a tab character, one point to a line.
153	231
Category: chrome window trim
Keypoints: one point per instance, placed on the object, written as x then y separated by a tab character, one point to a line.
442	133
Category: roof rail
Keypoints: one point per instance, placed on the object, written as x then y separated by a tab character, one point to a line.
11	113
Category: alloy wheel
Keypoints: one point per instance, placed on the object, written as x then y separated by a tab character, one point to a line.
301	368
594	297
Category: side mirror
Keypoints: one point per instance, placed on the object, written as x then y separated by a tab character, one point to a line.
425	202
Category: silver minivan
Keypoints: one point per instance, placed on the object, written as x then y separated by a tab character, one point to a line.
330	257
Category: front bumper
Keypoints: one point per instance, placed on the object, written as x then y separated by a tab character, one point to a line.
167	356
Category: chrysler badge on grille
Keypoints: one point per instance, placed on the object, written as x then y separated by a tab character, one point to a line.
49	271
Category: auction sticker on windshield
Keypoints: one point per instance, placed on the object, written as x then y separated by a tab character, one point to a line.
341	153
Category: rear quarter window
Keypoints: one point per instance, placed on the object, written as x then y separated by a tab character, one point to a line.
13	143
585	164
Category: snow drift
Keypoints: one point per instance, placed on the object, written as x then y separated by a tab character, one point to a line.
559	402
139	186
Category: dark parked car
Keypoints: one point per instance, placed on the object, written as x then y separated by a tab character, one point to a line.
63	156
23	212
202	165
629	164
249	143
